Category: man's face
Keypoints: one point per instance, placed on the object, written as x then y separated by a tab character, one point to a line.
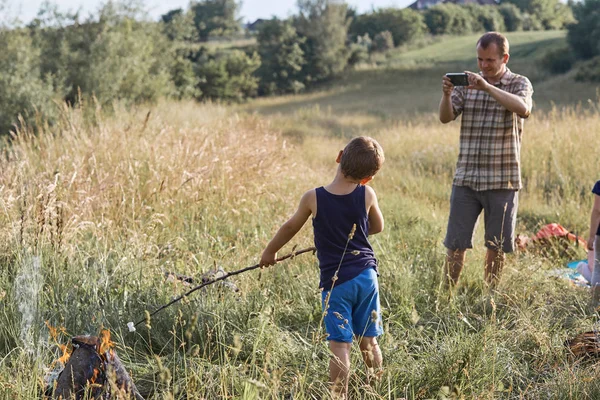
491	63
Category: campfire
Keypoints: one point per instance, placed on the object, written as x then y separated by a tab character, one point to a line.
92	369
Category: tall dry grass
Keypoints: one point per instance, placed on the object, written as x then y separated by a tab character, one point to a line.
96	209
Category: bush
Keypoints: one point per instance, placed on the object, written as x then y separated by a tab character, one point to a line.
115	57
558	61
405	25
485	18
383	41
228	76
544	14
589	71
24	91
513	19
359	50
449	19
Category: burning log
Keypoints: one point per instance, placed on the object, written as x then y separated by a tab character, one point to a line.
95	370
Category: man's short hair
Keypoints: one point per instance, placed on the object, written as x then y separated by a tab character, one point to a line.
494	37
361	158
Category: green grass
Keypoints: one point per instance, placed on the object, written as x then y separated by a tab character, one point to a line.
95	213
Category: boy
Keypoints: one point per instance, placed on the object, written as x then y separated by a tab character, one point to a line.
344	213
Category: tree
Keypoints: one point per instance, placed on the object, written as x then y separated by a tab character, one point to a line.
547	14
448	19
405	25
178	25
24	91
513	20
116	57
324	25
485	18
282	57
228	76
215	18
583	35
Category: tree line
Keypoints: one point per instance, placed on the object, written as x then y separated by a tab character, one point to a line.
121	55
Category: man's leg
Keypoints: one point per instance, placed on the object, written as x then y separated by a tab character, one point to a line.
500	214
369	348
465	208
455	260
339	369
494	262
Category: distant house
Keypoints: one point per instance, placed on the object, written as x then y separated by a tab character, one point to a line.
253	26
424	4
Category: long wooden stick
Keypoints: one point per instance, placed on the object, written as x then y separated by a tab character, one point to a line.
227	275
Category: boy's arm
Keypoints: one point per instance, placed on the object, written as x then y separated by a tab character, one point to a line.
289	229
594	222
375	215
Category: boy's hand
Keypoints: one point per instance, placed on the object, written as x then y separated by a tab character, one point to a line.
590	242
267	259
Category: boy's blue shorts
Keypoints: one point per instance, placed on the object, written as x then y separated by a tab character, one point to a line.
353	308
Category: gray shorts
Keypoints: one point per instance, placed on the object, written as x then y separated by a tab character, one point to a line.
499	213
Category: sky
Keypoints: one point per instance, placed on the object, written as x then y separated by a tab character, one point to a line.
251	10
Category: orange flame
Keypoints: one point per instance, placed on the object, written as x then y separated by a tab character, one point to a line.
106	345
65	349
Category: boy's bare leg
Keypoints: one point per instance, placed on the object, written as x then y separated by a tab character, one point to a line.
494	262
455	259
369	348
339	369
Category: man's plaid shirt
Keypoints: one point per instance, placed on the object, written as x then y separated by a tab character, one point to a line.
490	136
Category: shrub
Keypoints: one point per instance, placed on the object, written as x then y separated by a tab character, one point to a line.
359	50
559	61
449	19
228	76
485	18
513	19
383	41
24	91
405	25
589	71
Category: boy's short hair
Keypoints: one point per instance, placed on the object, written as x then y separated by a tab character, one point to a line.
361	158
494	37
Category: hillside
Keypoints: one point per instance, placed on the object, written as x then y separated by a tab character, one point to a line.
405	83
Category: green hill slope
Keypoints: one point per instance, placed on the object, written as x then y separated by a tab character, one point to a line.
408	83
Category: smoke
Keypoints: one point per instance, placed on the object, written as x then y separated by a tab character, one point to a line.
28	285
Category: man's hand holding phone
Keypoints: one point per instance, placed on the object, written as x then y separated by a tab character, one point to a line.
467	79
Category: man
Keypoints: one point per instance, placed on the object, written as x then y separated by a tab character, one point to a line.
488	171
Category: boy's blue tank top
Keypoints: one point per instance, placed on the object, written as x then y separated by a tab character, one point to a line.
336	214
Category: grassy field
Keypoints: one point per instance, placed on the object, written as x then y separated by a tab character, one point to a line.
97	209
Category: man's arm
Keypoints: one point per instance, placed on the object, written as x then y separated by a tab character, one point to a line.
375	216
446	109
511	102
289	229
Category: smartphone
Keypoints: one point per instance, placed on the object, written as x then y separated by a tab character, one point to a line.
458	78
